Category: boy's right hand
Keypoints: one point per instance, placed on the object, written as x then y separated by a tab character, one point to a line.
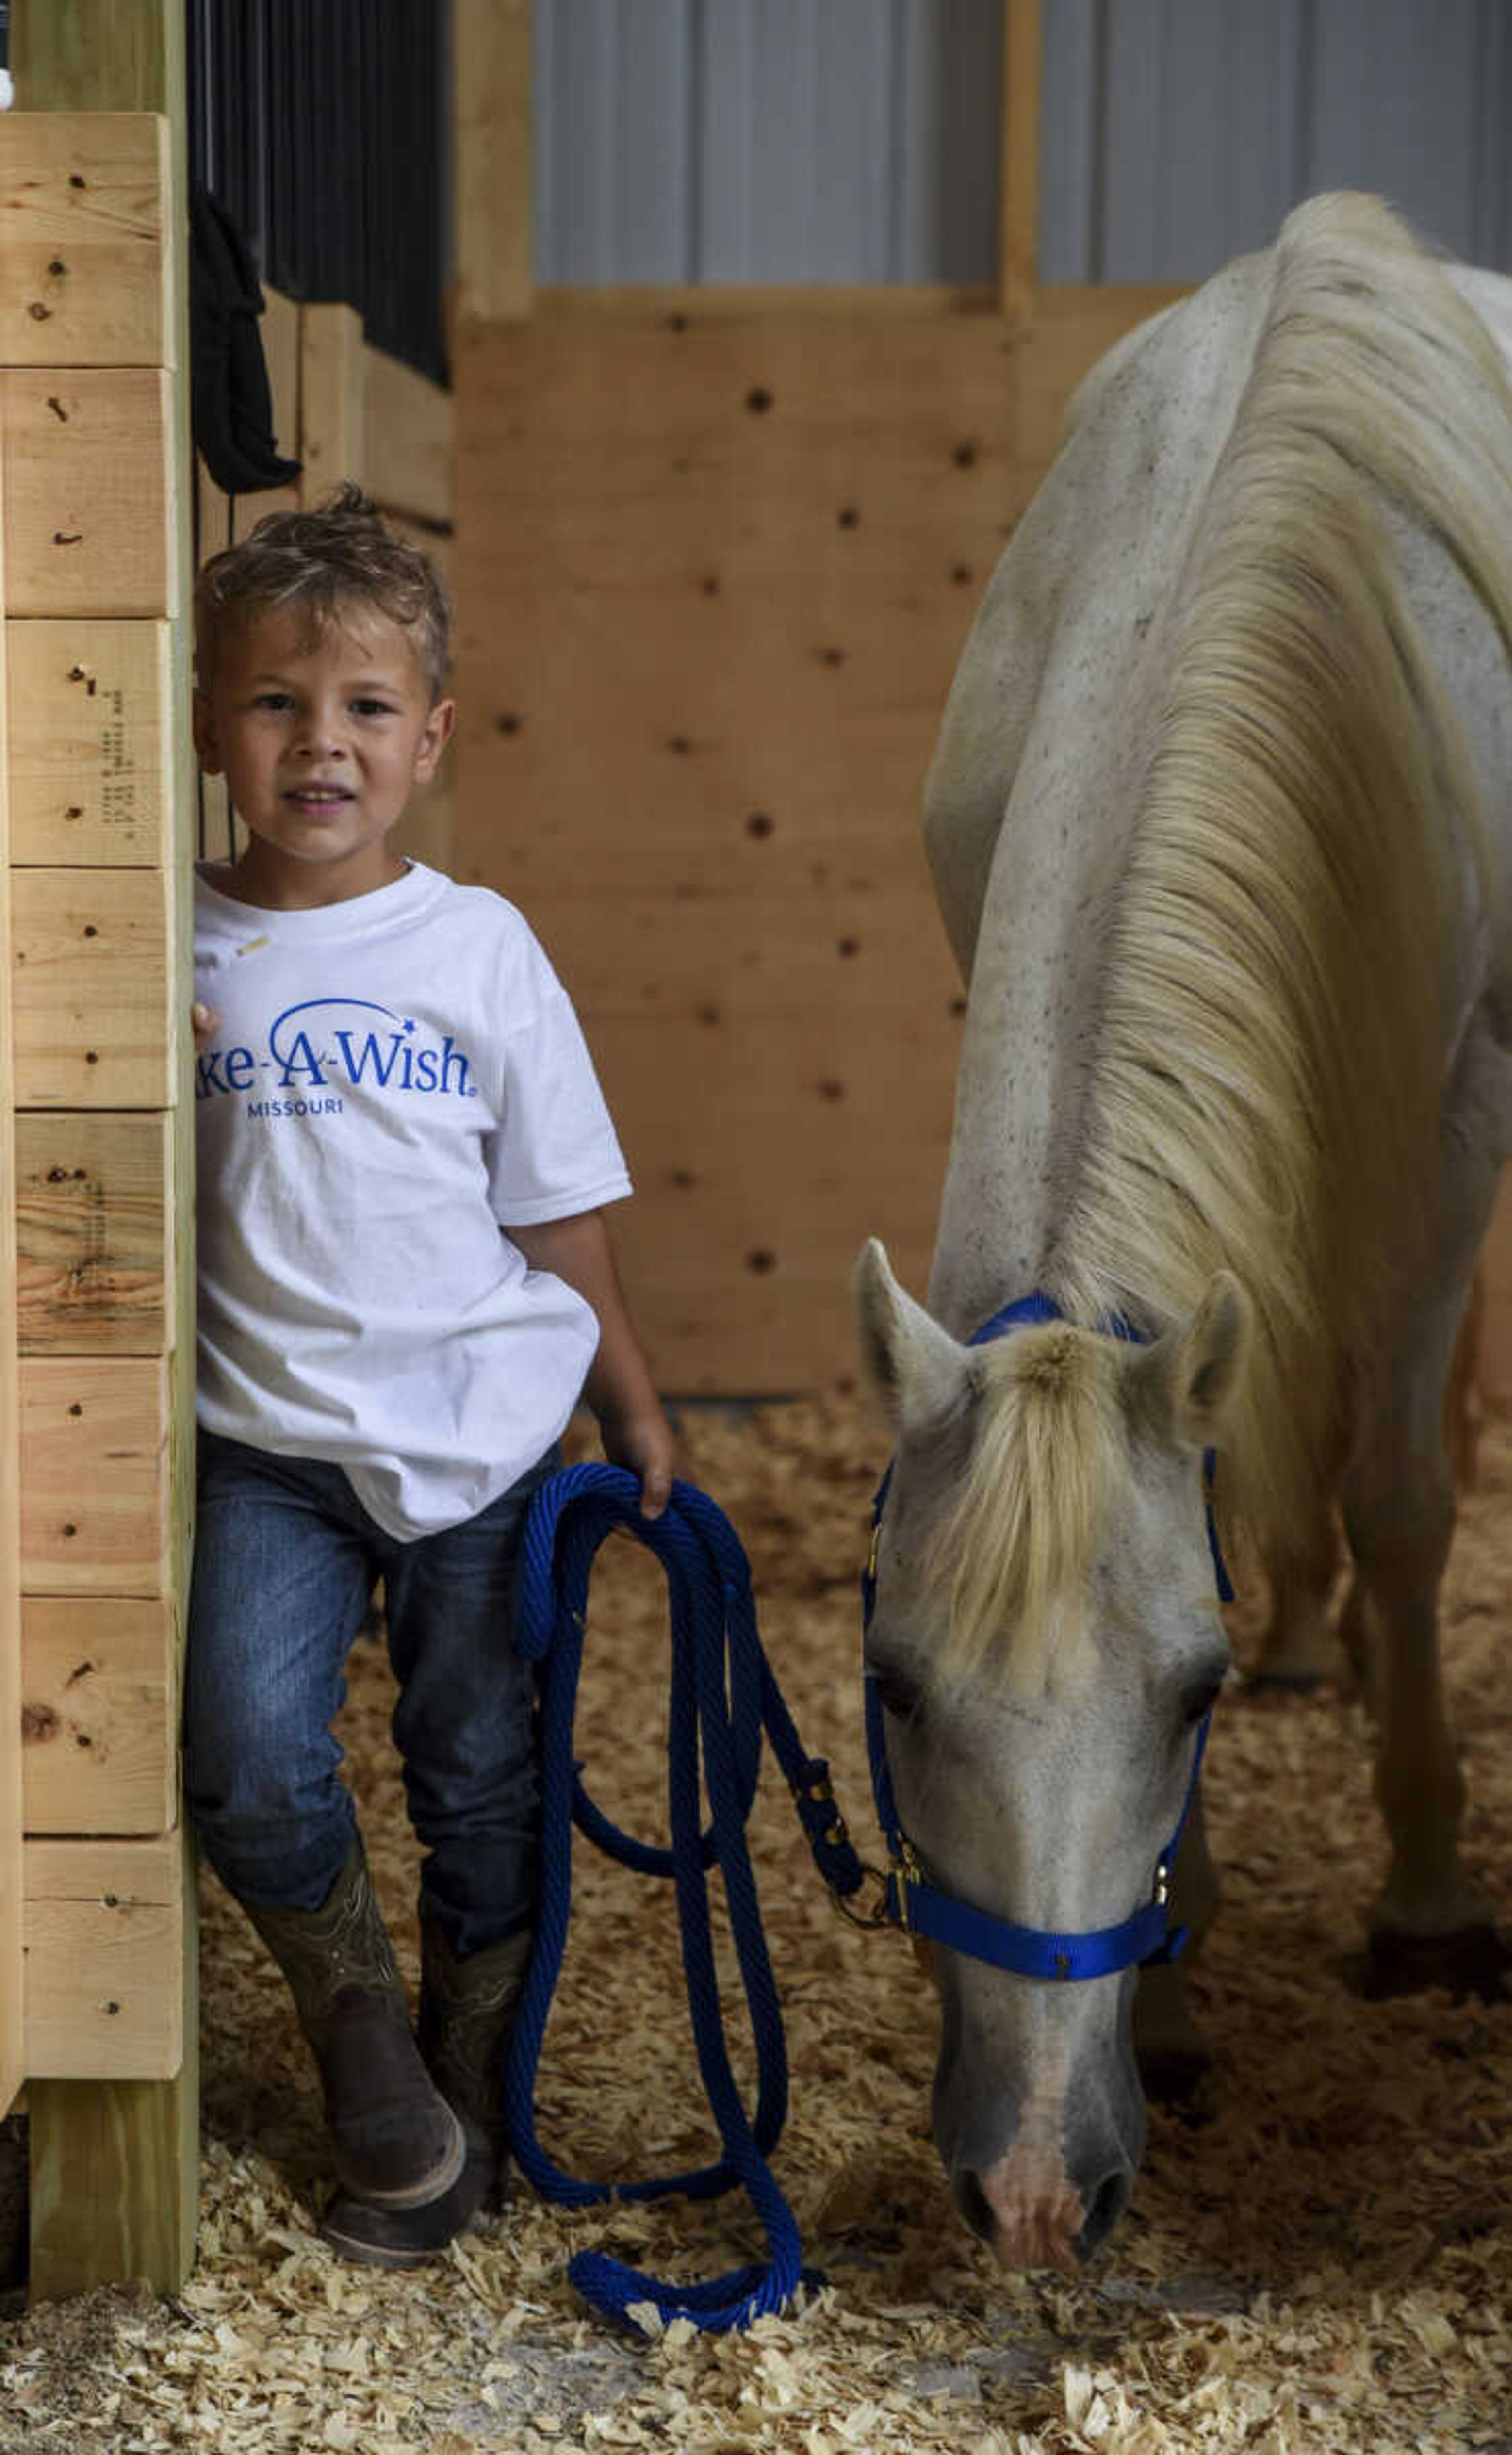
207	1023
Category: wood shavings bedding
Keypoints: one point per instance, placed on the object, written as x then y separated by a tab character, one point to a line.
1322	2269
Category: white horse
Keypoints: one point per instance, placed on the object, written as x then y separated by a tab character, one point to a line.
1221	829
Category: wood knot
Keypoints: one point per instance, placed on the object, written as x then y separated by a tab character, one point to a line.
38	1722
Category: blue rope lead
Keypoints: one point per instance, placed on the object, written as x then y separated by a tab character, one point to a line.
723	1695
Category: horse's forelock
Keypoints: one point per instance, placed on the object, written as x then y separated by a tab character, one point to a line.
1013	1551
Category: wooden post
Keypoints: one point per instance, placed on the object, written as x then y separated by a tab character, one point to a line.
333	444
1018	158
114	2156
495	270
12	2067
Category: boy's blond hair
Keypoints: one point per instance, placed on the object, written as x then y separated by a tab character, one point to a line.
338	558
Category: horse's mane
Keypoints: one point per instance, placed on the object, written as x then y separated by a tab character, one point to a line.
1264	1081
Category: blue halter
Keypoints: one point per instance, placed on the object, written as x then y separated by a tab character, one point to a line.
909	1900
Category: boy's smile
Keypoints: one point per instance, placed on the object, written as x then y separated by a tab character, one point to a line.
322	739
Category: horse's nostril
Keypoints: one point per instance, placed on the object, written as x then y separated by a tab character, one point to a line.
1103	2209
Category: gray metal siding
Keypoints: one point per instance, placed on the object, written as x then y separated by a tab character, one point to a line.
857	140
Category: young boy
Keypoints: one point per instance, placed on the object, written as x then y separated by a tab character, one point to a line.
404	1278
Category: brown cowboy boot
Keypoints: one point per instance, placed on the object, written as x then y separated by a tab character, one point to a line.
395	2141
467	2014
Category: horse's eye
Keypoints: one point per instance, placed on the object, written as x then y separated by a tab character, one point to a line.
1200	1700
899	1696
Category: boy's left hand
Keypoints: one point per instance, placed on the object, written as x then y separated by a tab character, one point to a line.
645	1444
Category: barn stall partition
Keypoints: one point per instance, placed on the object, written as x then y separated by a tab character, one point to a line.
717	549
92	342
103	819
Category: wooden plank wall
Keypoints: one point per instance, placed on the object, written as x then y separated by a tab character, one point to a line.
716	555
96	408
88	472
12	2020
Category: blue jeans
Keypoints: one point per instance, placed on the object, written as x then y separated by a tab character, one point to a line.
286	1559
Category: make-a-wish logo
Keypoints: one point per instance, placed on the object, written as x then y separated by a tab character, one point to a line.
308	1051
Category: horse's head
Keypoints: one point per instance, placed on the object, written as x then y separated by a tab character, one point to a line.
1046	1643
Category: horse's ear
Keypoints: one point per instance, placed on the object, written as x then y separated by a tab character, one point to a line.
1186	1386
914	1371
1207	1371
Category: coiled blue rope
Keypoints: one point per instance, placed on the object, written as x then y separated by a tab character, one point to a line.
723	1696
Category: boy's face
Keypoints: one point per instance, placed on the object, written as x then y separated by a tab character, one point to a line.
321	743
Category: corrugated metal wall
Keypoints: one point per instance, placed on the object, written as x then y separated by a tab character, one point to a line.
857	140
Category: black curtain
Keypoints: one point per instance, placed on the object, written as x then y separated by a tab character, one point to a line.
320	125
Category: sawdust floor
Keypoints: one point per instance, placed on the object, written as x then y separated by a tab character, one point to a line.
1323	2266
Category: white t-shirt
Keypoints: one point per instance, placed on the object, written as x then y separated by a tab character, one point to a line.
393	1079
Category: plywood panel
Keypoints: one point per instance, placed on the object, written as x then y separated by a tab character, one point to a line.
715	574
94	1233
89	508
95	1514
406	424
762	1159
99	1715
91	1008
89	705
103	1959
83	260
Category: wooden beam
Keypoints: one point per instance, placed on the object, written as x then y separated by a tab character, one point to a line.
91	490
114	2164
105	1981
94	1233
94	1023
333	399
99	55
1018	164
687	302
83	259
99	1690
491	131
94	1517
92	762
12	2065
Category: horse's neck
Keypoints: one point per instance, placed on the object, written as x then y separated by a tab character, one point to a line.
1031	1021
1105	542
